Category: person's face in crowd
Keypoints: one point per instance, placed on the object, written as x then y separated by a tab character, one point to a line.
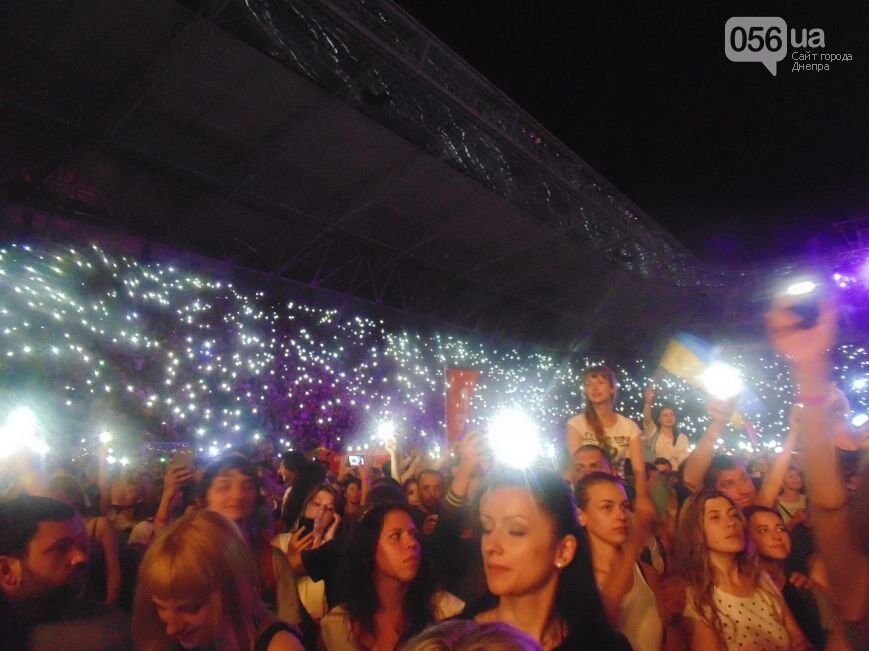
398	550
56	557
588	461
667	417
431	491
664	468
187	622
287	475
321	509
769	535
352	494
521	551
412	491
722	526
233	494
607	516
737	485
760	468
793	480
598	390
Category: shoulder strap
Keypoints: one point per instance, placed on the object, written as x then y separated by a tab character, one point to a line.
268	630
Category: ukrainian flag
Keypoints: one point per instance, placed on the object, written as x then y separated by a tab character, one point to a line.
687	356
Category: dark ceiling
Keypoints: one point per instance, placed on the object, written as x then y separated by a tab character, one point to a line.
193	126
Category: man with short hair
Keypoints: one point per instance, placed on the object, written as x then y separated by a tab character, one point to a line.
587	459
43	563
431	491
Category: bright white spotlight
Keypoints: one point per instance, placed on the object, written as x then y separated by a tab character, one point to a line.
21	423
385	431
514	438
721	381
801	288
859	384
859	420
213	450
105	437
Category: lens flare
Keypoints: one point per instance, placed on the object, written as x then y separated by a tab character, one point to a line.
801	288
514	438
721	381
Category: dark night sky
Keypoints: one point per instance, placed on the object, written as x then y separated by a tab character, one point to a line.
739	165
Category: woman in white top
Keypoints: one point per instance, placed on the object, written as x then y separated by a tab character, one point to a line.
730	603
661	435
599	425
616	543
390	591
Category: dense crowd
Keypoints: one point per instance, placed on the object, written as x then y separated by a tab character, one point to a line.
634	541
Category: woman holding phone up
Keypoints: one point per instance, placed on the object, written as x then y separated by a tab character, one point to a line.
320	522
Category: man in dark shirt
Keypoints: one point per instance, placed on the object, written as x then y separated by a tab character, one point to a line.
43	560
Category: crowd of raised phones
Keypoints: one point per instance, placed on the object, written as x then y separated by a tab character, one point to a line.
634	542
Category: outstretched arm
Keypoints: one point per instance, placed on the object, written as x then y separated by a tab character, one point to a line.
806	350
701	458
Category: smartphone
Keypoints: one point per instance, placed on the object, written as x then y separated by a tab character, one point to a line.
306	525
805	299
356	460
182	459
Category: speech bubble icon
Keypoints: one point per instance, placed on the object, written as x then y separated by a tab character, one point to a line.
760	39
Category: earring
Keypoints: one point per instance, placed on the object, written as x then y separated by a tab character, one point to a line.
559	564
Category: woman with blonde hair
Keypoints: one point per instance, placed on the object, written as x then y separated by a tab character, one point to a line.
198	588
462	635
730	603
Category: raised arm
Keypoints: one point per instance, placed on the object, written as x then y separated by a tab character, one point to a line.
649	399
701	458
769	491
806	350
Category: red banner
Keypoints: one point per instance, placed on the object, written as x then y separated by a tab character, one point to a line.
460	388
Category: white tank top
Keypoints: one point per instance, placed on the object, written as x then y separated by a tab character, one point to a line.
639	620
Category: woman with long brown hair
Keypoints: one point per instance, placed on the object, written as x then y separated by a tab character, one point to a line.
731	604
600	425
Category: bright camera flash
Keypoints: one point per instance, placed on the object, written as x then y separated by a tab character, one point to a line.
721	381
801	288
514	438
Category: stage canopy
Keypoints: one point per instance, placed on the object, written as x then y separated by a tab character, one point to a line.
341	146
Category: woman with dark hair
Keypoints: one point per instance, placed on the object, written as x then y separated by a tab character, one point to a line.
538	569
600	425
307	478
731	604
661	434
390	591
320	522
230	486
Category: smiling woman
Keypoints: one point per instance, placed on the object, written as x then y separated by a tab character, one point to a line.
197	587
